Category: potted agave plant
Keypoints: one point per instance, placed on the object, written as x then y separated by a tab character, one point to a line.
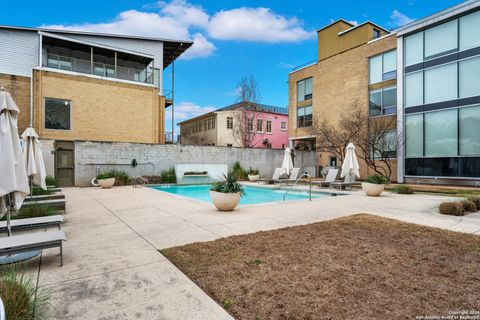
105	180
374	185
226	193
253	175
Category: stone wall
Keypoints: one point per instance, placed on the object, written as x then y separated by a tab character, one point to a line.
153	158
19	89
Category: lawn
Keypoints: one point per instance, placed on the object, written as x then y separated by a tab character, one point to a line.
359	267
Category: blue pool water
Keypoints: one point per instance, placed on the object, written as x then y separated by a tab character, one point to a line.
253	195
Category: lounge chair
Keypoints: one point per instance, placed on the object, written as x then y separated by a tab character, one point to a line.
33	223
57	204
292	178
276	175
330	178
348	182
32	241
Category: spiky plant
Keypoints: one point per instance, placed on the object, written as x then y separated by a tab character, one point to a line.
228	184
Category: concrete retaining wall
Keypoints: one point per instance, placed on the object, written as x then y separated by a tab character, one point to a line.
153	158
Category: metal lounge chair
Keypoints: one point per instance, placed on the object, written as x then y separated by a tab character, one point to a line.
33	223
32	241
348	182
330	178
276	175
292	178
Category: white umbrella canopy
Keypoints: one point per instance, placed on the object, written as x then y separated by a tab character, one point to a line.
287	164
13	176
33	158
350	163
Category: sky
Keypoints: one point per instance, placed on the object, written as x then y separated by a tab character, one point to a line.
232	39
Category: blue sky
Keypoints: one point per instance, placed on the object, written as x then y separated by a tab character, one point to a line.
233	38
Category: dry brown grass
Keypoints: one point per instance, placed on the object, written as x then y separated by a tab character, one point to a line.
359	267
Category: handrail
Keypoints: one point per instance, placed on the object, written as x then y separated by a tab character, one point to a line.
296	182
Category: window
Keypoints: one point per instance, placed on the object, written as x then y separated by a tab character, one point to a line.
269	146
259	125
229	145
441	133
304	116
414	89
229	122
205	126
383	67
441	83
283	125
469	140
250	125
269	126
304	89
383	101
385	146
57	114
213	122
441	40
414	49
376	34
59	62
469	35
469	82
414	135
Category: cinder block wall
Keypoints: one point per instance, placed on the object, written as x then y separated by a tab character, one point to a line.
153	158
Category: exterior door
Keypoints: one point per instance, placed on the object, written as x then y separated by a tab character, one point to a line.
64	163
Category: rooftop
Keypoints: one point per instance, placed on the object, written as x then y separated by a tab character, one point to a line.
172	49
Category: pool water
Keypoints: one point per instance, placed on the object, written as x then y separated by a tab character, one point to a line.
253	195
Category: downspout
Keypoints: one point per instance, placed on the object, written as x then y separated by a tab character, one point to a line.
31	100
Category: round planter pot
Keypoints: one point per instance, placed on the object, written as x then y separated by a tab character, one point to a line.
372	189
106	183
225	201
253	178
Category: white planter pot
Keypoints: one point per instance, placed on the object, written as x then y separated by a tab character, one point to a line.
253	178
106	183
372	189
225	201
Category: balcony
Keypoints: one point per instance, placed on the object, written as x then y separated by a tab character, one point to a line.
81	58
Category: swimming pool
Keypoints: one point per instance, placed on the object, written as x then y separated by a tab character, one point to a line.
253	195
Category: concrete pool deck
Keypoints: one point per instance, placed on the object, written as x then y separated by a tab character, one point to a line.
112	267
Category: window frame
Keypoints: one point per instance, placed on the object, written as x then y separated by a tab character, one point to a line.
382	106
283	126
302	119
45	114
229	123
268	123
383	75
259	127
305	96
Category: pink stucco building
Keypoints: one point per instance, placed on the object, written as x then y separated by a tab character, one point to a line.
239	125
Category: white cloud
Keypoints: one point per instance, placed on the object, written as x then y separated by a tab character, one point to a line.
354	22
256	24
186	110
181	20
398	19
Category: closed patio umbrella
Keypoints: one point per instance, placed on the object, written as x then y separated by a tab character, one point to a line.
287	164
33	158
350	163
13	176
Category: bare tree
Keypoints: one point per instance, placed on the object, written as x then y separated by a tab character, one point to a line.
375	139
246	116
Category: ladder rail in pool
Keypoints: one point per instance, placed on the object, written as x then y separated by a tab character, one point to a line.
305	174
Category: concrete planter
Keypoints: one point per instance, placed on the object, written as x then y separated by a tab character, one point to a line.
253	178
372	189
225	201
106	183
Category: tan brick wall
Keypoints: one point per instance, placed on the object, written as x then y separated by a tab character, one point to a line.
19	88
101	110
339	83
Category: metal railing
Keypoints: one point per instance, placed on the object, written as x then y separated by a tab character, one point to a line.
306	175
306	64
148	75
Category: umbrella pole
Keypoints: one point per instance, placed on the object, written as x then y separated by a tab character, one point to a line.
10	206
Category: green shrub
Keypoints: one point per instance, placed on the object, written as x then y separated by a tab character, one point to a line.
104	175
37	191
452	208
253	172
33	211
168	176
121	177
469	206
239	172
376	178
228	184
21	298
51	181
475	200
403	189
